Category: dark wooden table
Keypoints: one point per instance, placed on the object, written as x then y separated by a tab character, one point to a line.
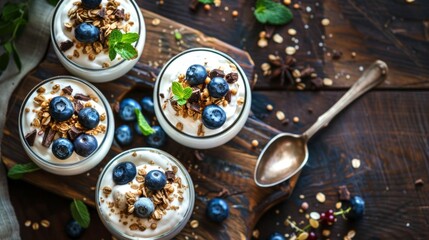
387	129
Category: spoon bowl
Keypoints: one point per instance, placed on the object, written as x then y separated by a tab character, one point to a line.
286	154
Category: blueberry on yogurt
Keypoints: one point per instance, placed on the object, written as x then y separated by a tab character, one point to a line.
60	108
86	33
88	117
196	74
90	4
126	109
218	87
85	144
124	173
155	180
143	207
213	116
62	148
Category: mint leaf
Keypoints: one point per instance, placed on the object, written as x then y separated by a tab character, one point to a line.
16	57
181	94
270	12
112	53
177	90
187	92
114	37
80	213
126	51
177	35
4	61
206	1
130	37
144	126
18	170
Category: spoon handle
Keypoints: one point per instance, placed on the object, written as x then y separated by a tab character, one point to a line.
374	75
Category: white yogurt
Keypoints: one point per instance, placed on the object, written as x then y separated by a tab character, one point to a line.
42	155
111	207
81	65
236	113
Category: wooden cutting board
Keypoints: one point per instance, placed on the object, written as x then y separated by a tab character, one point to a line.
226	170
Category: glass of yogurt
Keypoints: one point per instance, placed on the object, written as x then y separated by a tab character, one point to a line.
80	36
66	125
144	193
202	98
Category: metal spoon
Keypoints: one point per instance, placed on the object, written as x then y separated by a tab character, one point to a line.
287	153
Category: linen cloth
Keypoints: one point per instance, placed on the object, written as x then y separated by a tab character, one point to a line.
31	47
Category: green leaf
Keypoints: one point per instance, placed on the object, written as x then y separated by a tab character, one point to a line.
206	1
18	170
270	12
187	92
80	213
130	37
126	51
115	37
181	101
4	61
10	11
177	90
144	126
112	53
16	57
177	35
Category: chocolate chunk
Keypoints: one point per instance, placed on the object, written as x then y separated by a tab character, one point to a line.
77	106
82	97
231	77
195	107
170	175
217	73
120	14
30	137
195	96
68	90
343	193
48	137
73	132
336	54
102	13
317	82
162	95
228	96
66	45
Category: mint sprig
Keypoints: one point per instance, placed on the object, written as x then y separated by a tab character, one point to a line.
206	1
181	94
18	170
144	126
13	17
120	43
80	213
270	12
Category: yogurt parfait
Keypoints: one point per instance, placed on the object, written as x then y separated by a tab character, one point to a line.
98	40
202	98
66	125
144	193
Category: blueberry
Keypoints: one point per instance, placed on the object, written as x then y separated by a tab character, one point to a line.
218	87
74	229
124	172
357	205
213	116
155	180
276	236
217	210
62	148
60	108
88	117
90	4
86	33
85	144
196	74
147	104
143	207
124	135
126	109
156	139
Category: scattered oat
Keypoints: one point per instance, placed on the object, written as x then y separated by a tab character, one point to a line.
207	7
327	82
255	233
314	223
304	206
353	54
269	107
27	223
291	31
295	119
35	226
280	115
315	215
262	42
356	163
255	143
265	67
287	2
290	50
325	22
45	223
320	197
156	21
194	223
302	236
234	13
277	38
351	234
301	196
409	1
419	182
338	205
326	232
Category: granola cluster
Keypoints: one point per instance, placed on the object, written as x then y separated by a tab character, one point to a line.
106	18
70	128
162	199
201	98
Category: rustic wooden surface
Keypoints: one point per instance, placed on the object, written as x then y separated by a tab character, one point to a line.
387	129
